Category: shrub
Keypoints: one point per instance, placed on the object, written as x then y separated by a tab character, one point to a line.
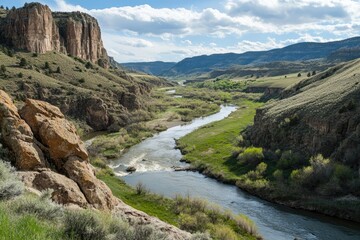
35	55
47	65
2	69
58	70
20	75
193	223
224	232
84	225
81	80
251	155
247	224
141	189
23	62
88	65
10	186
41	207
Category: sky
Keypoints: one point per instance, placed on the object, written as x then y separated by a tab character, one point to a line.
171	30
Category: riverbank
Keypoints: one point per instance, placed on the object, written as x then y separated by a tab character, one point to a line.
193	215
214	154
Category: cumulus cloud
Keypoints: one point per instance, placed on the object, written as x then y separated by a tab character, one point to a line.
289	12
145	33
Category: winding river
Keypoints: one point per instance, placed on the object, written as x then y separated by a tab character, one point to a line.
155	158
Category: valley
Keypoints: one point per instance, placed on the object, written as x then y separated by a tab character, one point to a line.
259	144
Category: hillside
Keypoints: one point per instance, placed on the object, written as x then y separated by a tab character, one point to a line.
153	68
195	66
318	115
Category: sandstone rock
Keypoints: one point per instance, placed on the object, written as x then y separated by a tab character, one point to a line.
97	115
35	28
95	191
31	28
65	190
18	137
133	215
54	131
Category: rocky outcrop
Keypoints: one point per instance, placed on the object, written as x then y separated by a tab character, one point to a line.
65	190
54	132
35	28
17	135
44	131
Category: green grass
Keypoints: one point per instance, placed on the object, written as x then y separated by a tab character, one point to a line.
152	204
19	227
182	210
211	146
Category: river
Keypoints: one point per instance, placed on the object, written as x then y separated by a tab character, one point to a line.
155	158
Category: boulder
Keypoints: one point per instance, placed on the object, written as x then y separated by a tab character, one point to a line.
18	136
54	131
96	192
65	190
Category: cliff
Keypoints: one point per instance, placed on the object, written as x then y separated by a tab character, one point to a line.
36	29
318	115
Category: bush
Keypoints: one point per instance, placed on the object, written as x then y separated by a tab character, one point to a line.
193	223
23	62
81	80
47	65
2	69
20	75
251	155
247	224
41	207
224	232
10	186
141	189
84	225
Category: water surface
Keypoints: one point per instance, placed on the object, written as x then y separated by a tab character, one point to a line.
154	159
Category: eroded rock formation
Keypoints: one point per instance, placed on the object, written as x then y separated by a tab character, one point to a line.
35	28
41	138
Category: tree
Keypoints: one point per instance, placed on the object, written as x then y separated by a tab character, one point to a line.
309	74
299	75
88	65
20	75
314	73
23	62
47	65
2	7
58	70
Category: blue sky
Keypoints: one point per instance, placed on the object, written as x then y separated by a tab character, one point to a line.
168	30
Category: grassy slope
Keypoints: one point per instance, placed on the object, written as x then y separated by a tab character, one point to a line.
211	146
164	209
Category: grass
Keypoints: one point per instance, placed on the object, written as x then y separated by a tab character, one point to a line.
193	215
214	143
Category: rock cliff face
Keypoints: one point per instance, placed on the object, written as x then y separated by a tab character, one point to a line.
35	28
318	115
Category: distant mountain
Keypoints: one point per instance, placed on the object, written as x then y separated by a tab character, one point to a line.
296	52
154	68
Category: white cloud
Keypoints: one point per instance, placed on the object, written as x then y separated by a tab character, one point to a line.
145	33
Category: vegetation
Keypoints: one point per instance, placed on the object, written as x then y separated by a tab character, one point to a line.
314	183
194	215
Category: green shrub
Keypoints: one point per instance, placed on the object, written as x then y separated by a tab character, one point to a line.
193	223
10	185
141	189
252	156
41	207
23	62
20	75
224	232
84	225
244	222
2	69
